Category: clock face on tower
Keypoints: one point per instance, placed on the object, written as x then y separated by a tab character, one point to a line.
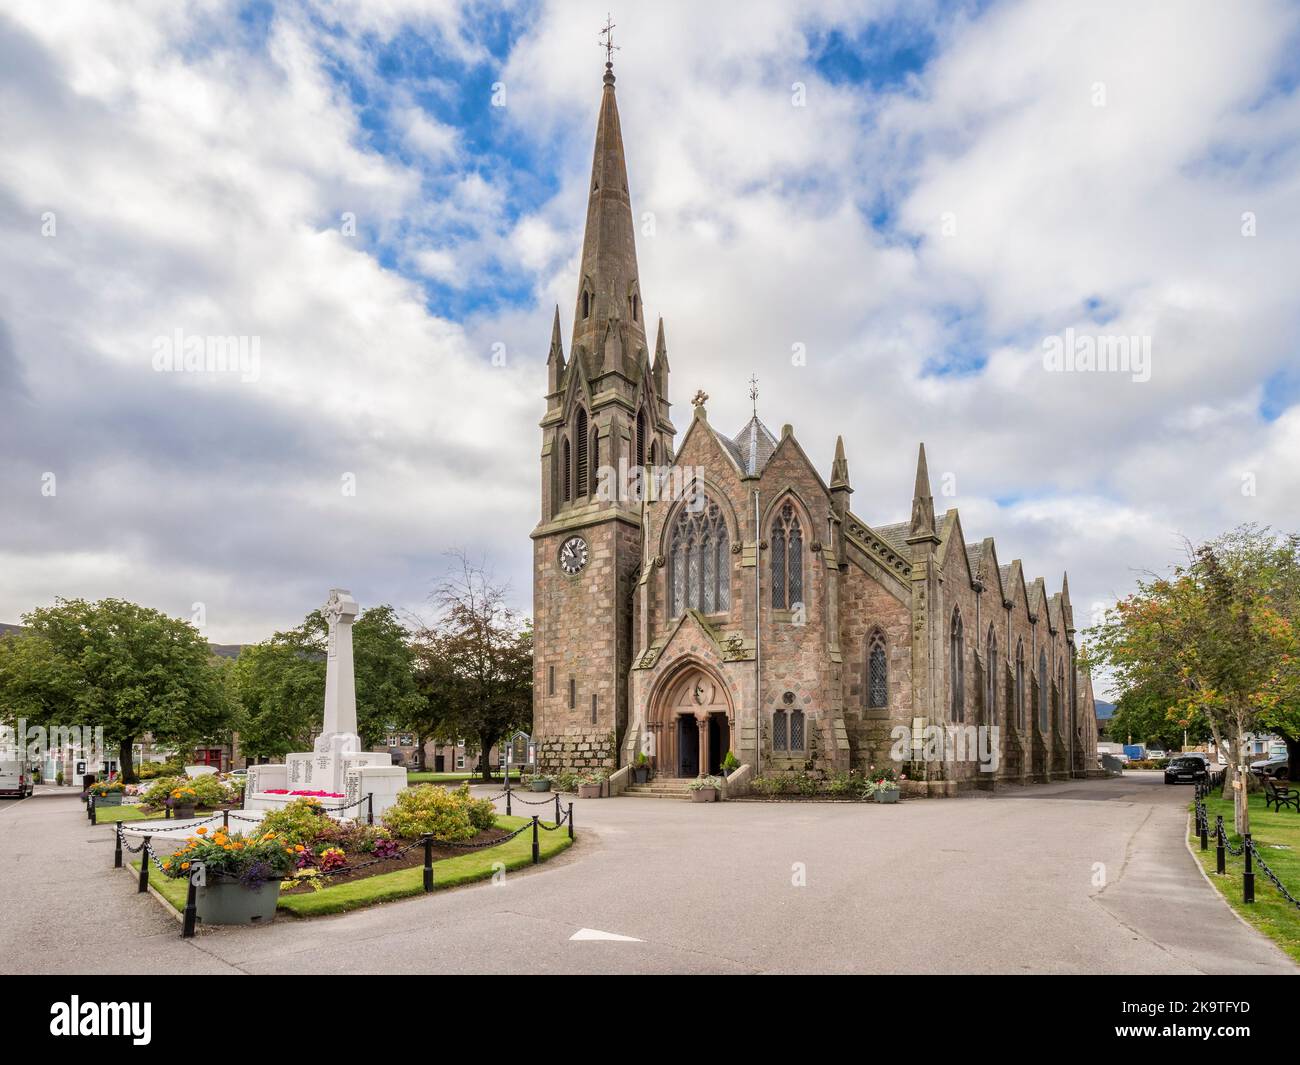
573	555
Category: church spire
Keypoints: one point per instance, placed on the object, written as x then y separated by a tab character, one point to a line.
555	358
840	467
609	289
922	502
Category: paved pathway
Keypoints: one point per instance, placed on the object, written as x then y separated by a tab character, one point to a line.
1080	877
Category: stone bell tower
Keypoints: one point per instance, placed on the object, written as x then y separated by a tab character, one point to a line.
606	420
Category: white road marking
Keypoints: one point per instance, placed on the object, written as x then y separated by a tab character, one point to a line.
596	933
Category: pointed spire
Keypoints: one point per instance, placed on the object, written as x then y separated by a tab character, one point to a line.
840	467
609	285
922	501
555	358
661	360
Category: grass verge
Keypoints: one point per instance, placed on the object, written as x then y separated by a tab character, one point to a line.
454	778
109	815
402	883
1277	838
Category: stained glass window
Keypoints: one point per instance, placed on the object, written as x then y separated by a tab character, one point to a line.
787	560
699	561
877	671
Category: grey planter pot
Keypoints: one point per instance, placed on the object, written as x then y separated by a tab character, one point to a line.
540	785
704	795
182	813
113	798
887	796
589	791
640	774
232	903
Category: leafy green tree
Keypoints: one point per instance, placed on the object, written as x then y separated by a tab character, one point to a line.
112	664
279	689
485	655
1219	635
384	659
1150	715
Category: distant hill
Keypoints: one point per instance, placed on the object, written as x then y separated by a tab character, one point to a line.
222	650
1104	710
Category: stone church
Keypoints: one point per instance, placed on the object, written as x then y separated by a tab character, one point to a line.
714	592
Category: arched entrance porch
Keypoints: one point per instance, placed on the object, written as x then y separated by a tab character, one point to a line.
691	718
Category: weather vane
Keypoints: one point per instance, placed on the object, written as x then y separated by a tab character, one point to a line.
608	43
753	391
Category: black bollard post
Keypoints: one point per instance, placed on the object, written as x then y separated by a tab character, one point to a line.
370	807
144	867
557	809
428	863
90	809
1219	856
1248	877
1205	830
225	818
570	820
537	852
117	848
191	910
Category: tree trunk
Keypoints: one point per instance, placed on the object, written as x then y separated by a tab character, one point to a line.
1241	801
485	748
125	765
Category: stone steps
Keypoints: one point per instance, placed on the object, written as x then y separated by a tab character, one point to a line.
664	788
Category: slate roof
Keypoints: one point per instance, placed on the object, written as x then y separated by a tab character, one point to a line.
751	447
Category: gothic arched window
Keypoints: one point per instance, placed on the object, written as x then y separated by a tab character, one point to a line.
580	489
568	469
699	562
586	303
1042	690
595	459
640	438
877	671
991	678
1020	683
780	740
1060	696
796	730
787	560
957	669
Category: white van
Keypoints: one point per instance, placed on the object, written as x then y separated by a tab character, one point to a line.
16	778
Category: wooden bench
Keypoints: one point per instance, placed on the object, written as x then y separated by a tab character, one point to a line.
1280	797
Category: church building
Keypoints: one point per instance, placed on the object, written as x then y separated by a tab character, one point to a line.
716	593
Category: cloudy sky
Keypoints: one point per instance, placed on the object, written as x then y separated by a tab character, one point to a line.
386	197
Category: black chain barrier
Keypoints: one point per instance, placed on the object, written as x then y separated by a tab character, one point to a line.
1247	849
189	913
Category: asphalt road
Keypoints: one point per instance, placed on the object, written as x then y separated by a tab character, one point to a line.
1079	877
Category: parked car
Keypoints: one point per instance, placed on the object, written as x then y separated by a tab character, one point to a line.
1186	770
1278	767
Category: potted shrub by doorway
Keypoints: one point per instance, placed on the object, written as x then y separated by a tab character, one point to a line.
241	874
641	769
705	789
730	764
591	785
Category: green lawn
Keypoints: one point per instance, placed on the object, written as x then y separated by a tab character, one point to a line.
1277	838
108	815
450	778
402	883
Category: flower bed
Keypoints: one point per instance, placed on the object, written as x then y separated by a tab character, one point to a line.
853	786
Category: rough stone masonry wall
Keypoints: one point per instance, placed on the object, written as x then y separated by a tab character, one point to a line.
577	749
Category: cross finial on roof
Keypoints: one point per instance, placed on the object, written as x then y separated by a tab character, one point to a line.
753	391
608	43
